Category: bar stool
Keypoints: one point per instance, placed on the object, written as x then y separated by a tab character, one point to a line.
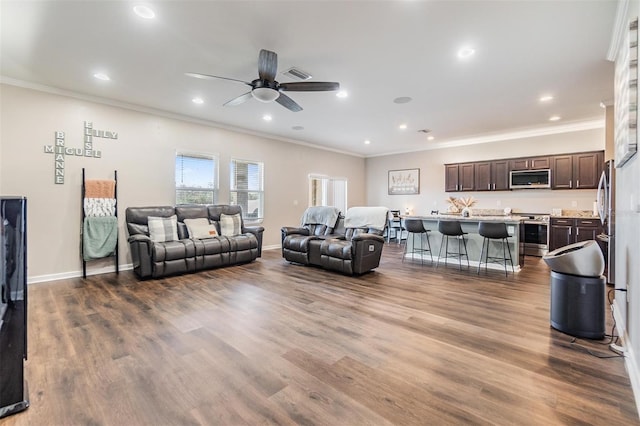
452	228
394	223
494	231
414	228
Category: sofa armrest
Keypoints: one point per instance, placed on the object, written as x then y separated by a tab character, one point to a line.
141	249
366	250
257	231
368	237
288	230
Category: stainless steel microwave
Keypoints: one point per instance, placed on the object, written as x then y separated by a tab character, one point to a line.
530	179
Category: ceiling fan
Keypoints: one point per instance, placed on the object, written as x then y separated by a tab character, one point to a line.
266	89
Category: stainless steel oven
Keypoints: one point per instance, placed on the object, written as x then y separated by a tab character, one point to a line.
536	235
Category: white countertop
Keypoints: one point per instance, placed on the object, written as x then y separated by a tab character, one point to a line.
512	218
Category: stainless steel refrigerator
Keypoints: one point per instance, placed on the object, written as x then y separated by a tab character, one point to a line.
606	203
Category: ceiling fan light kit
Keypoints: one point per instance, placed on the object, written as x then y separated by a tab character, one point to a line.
265	94
266	89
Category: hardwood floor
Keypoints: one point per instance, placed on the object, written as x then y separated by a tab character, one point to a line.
275	343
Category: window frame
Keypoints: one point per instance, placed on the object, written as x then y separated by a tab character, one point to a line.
246	215
215	191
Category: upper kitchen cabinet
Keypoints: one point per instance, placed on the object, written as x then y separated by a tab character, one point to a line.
492	176
459	177
576	171
530	163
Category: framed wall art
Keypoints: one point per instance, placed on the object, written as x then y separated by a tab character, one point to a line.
405	181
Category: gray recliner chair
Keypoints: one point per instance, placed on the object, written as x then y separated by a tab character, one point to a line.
317	223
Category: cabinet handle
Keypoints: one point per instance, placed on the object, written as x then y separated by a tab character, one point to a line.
569	231
526	164
586	221
489	186
494	186
570	186
577	231
456	186
578	183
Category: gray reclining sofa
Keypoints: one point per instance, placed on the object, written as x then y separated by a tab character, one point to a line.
180	252
349	247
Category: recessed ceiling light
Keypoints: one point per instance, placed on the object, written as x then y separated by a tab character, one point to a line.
554	118
430	138
267	117
144	12
342	94
402	100
466	52
198	101
102	76
367	142
546	98
403	126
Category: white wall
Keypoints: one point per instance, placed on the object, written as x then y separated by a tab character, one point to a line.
144	156
431	165
627	251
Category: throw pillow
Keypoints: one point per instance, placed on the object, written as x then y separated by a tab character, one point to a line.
200	228
230	224
163	229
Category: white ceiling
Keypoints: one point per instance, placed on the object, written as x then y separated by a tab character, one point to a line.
377	50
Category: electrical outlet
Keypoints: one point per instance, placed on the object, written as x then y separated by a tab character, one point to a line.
499	203
574	203
295	202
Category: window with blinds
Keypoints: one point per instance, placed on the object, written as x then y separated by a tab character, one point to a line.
247	187
196	179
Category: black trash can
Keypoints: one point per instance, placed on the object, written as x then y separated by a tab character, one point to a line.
577	289
577	305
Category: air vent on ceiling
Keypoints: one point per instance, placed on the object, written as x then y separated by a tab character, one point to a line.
424	131
297	74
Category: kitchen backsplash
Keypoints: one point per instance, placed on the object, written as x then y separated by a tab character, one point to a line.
577	213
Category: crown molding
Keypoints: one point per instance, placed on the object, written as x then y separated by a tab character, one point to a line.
162	113
479	139
578	126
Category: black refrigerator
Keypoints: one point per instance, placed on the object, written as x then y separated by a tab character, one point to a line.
13	305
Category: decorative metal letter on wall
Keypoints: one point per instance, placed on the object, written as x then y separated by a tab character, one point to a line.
60	150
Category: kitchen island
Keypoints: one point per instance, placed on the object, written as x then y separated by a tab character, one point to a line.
474	240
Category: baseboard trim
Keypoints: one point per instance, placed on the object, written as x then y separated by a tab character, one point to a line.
76	274
629	354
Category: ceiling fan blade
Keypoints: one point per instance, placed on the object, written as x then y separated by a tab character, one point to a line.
211	77
288	103
309	86
239	100
267	65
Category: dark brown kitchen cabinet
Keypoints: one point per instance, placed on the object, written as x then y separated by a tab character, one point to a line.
562	172
492	176
459	177
530	163
587	168
565	231
577	171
